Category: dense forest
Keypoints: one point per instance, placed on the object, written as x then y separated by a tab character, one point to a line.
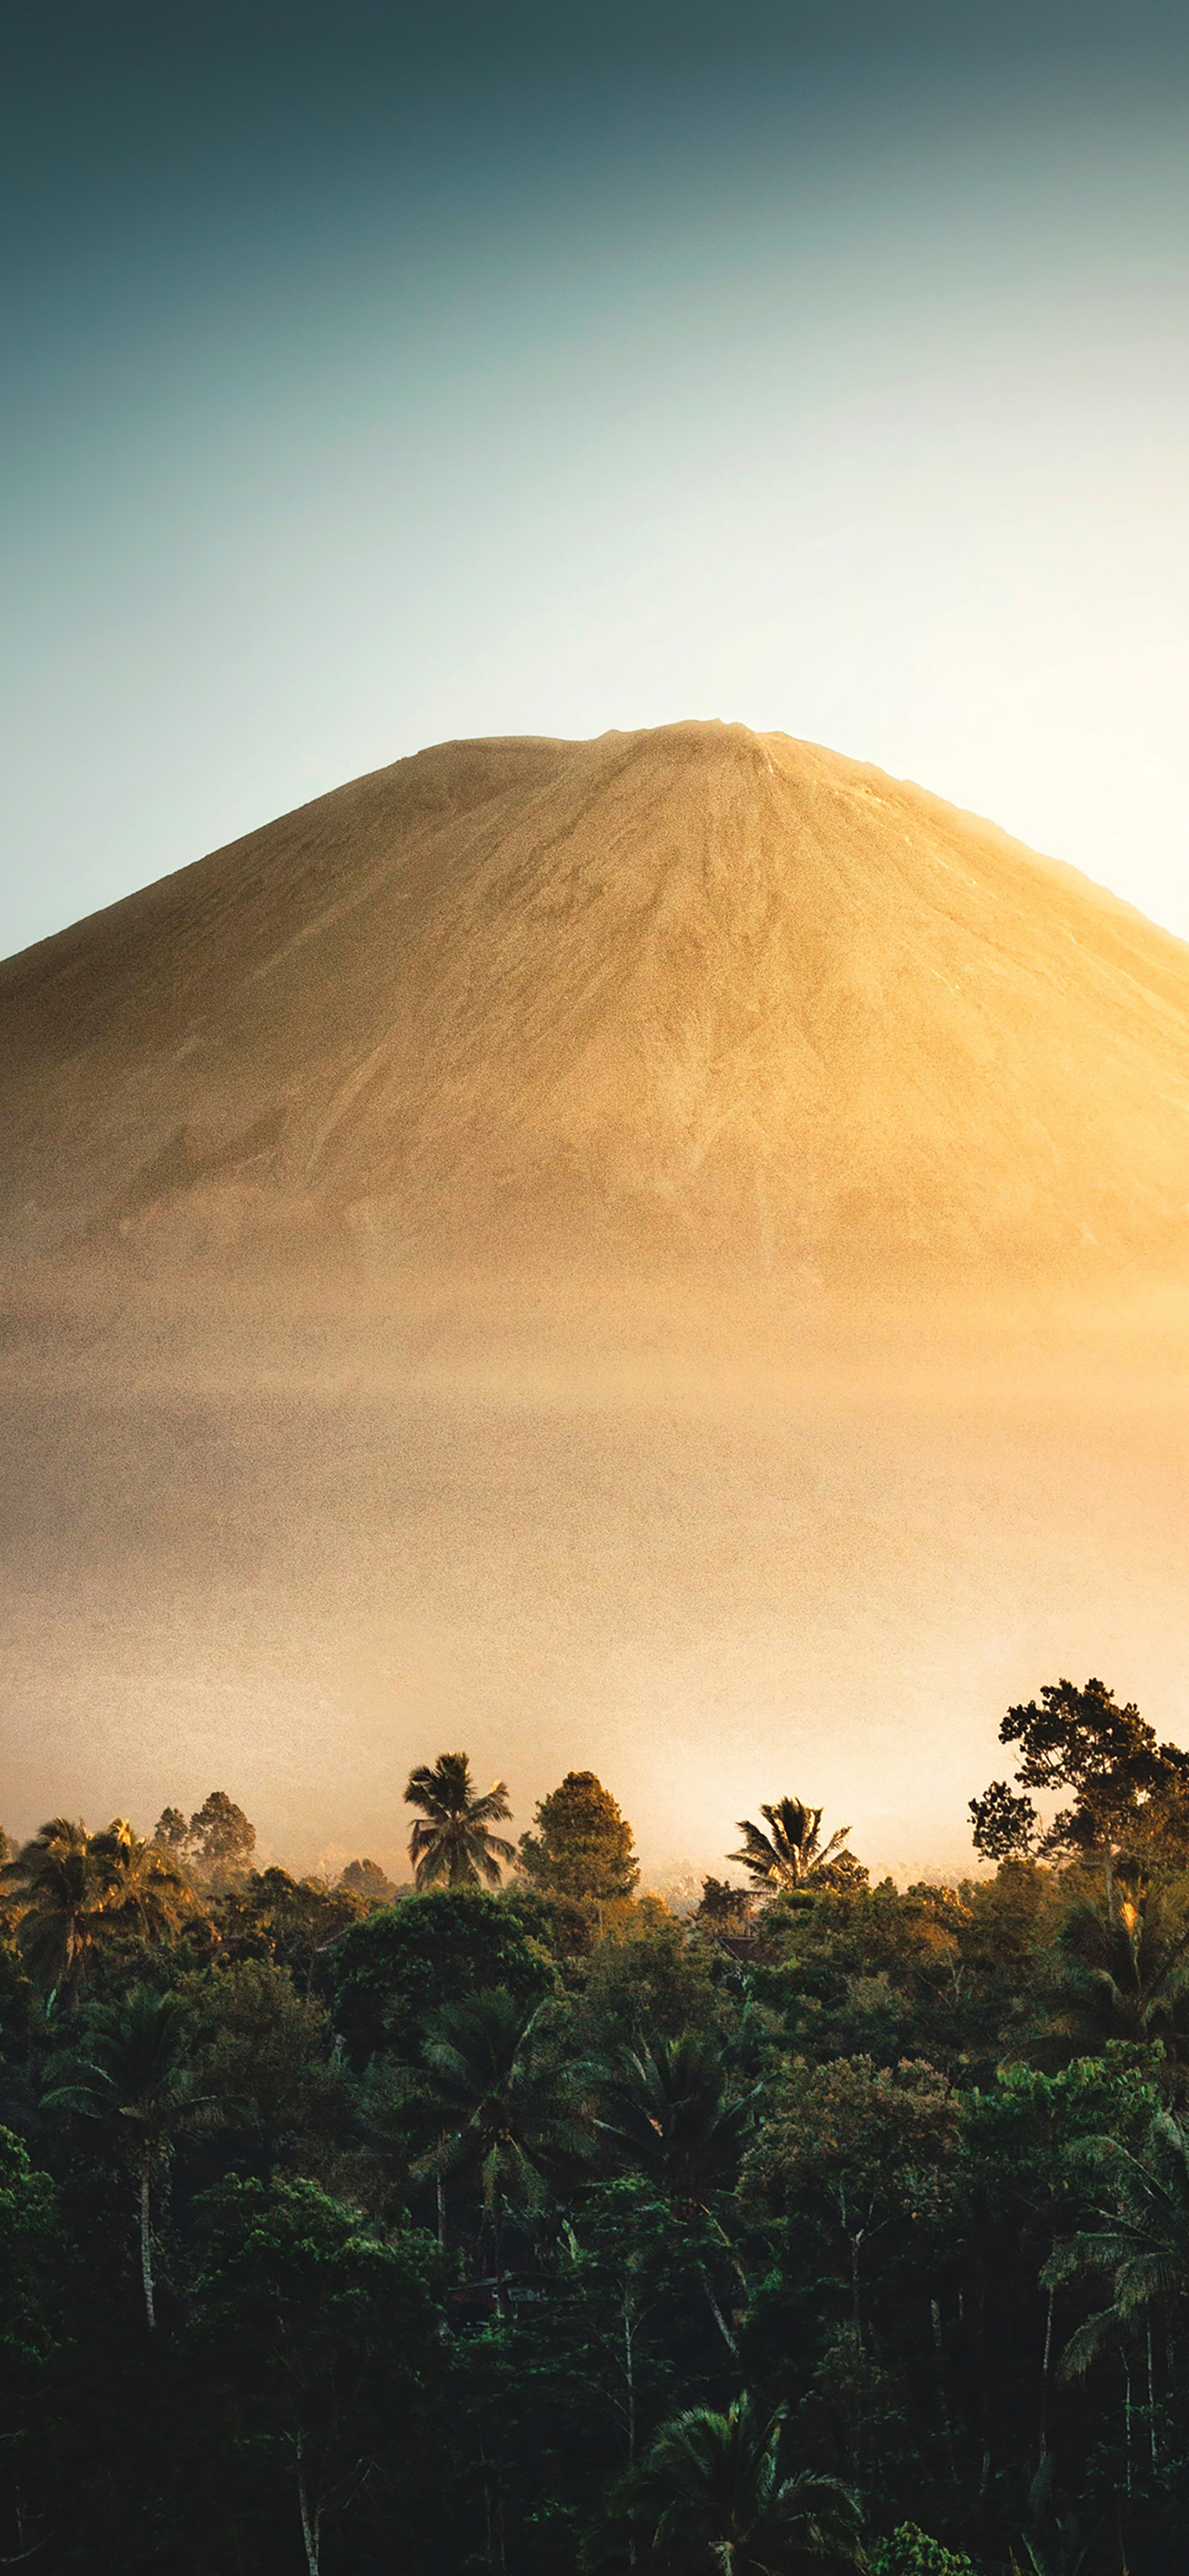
510	2221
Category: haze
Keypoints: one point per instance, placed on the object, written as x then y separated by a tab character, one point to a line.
664	1254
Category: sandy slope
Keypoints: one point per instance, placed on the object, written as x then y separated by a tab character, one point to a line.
693	988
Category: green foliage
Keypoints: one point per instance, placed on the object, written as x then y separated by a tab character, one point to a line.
673	2110
422	2234
650	1976
1127	1788
910	2552
30	2239
583	1846
295	1922
792	1854
264	2057
712	2491
320	2343
393	1970
452	1842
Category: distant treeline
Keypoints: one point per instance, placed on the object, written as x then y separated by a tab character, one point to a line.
509	2223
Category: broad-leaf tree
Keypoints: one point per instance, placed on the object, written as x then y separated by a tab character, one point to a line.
1128	1790
322	2344
582	1847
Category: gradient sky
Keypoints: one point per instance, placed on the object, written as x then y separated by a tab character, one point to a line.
374	375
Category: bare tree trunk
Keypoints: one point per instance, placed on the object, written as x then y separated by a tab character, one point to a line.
146	2247
501	2286
942	2390
719	2319
441	2188
1127	2415
309	2522
1045	2368
1151	2397
629	2372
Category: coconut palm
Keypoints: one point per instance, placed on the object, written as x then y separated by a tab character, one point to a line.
452	1839
141	1883
61	1887
792	1854
129	2068
1143	2240
710	2496
1121	1971
670	2108
499	2112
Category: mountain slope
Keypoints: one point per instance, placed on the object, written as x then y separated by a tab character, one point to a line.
694	989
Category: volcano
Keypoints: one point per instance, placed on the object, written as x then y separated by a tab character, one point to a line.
662	1255
695	992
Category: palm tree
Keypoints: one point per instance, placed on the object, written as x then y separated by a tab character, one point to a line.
500	2114
710	2496
1143	2241
452	1840
141	1882
1122	1972
792	1853
61	1887
669	2107
129	2067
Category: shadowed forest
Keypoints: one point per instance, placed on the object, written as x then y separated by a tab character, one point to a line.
510	2221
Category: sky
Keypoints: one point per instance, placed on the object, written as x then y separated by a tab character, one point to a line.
377	375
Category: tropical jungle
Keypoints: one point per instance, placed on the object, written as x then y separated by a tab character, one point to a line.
514	2220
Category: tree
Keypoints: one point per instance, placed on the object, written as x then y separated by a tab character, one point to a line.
1003	1826
911	2552
1142	2240
393	1970
171	1829
583	1846
62	1889
142	1885
1127	1788
322	2343
264	2055
1121	1971
791	1854
725	1909
452	1839
295	1921
31	2333
710	2495
673	2110
129	2069
366	1878
872	2146
220	1841
501	2116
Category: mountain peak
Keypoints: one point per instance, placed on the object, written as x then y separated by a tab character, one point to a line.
694	990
